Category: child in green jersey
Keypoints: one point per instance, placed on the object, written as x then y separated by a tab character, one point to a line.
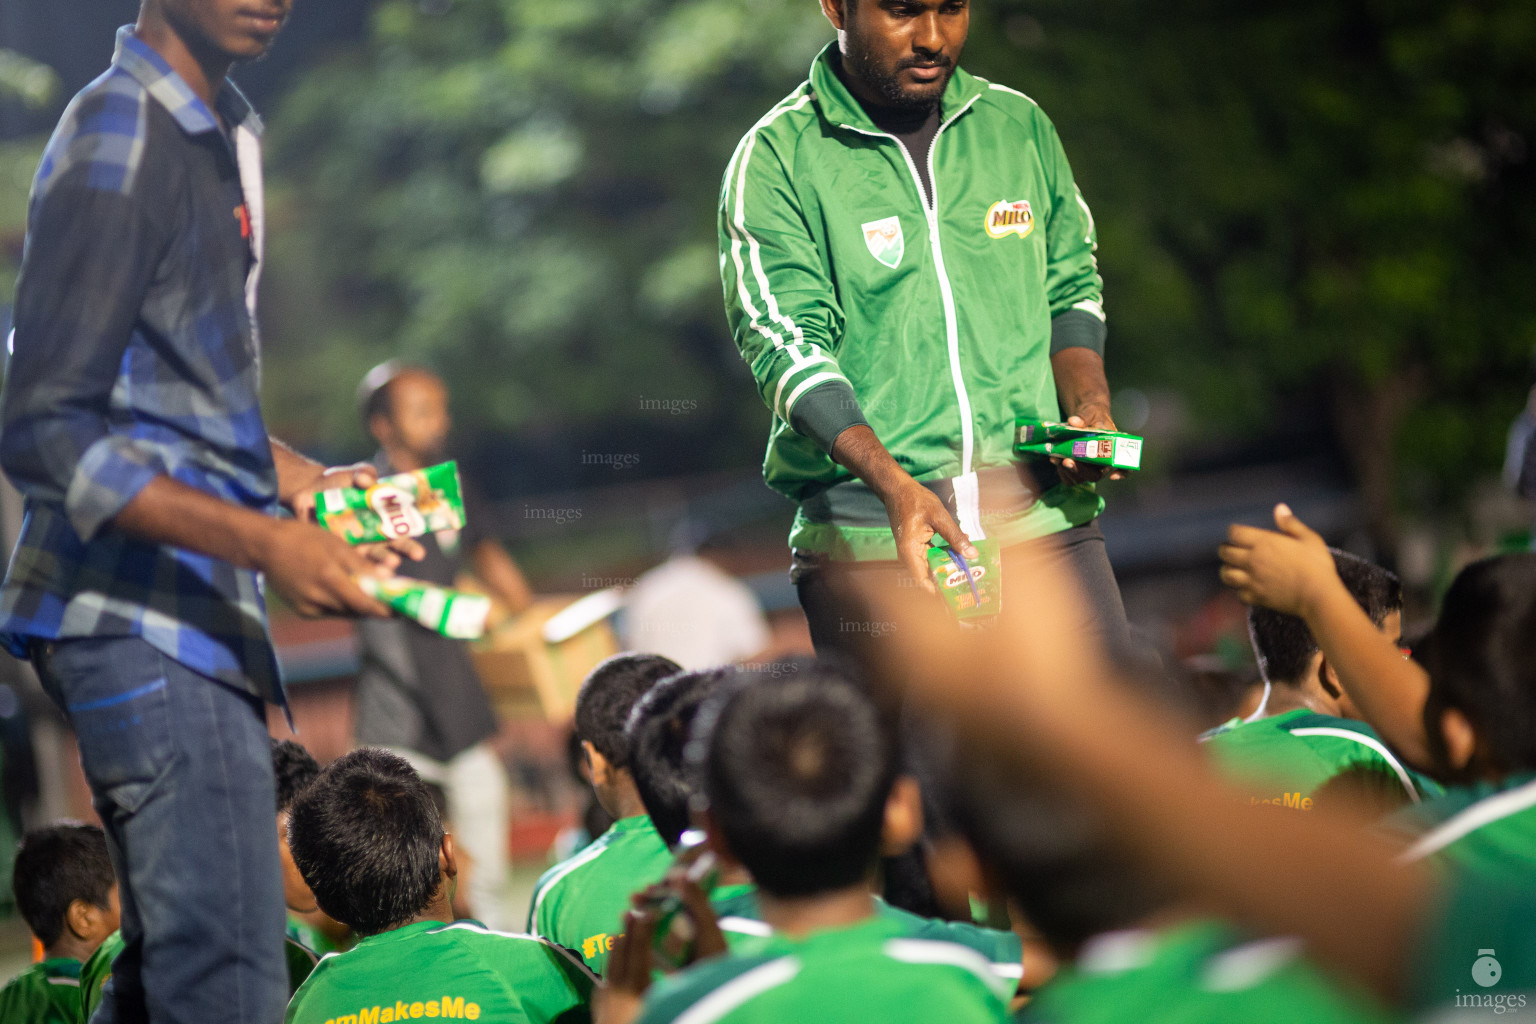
1308	730
1465	705
798	777
1036	700
1131	951
368	839
67	894
579	902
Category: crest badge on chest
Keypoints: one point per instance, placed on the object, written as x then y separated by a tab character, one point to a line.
885	241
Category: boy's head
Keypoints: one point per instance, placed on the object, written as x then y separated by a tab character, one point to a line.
1288	654
1480	716
368	839
657	734
293	769
797	775
65	888
603	704
1045	853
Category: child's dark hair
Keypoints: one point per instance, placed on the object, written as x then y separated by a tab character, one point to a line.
608	695
797	775
1481	660
56	866
657	733
366	836
294	769
1049	853
1284	645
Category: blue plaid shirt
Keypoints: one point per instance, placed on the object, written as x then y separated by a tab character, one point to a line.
135	354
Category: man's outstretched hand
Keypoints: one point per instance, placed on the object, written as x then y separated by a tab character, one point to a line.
917	514
1288	569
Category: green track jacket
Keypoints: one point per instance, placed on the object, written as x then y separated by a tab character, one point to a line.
853	301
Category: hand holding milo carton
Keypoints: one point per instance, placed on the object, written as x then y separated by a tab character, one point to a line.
404	505
971	589
408	505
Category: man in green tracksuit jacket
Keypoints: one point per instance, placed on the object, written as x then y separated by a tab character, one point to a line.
908	265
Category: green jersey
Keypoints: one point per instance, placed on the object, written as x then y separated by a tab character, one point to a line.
1488	829
741	920
300	961
856	297
1194	973
580	903
45	993
96	971
1283	760
461	971
868	972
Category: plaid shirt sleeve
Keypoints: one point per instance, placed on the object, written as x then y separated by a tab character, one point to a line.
92	252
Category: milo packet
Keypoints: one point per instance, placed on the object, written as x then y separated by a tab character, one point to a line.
972	588
404	505
1097	447
452	613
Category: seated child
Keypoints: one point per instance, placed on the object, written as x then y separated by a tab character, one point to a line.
1308	730
368	840
798	776
67	894
578	903
1131	952
1464	706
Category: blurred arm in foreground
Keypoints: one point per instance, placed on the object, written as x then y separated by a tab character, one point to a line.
1029	689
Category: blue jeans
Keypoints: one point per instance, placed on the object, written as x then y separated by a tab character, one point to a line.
180	768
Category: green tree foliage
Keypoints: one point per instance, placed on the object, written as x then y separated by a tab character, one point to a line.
1326	199
523	193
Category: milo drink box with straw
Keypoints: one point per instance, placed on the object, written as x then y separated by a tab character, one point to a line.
404	505
972	589
452	613
1097	447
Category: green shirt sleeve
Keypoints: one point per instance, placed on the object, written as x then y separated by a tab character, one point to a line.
1072	283
779	298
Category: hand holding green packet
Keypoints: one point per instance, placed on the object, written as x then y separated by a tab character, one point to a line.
452	613
404	505
972	589
1081	444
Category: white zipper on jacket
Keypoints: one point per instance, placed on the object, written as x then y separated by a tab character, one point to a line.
967	491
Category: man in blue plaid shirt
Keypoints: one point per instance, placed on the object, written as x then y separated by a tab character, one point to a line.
130	422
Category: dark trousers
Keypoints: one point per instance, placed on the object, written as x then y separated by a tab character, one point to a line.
180	769
841	628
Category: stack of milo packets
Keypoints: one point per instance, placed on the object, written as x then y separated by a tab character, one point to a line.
408	505
1081	444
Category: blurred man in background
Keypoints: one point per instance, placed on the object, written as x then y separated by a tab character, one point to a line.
417	690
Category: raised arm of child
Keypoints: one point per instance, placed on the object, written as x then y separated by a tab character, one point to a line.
1290	570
